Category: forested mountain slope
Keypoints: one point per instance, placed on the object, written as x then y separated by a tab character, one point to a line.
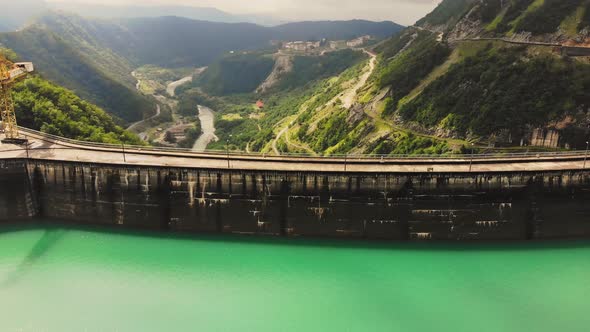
493	92
44	106
470	75
70	65
540	20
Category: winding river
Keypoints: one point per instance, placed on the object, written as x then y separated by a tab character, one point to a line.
206	115
207	118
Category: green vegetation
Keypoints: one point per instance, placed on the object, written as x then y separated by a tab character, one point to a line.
548	17
240	73
192	134
329	132
54	110
8	54
405	143
570	25
308	69
63	64
501	89
325	91
87	38
489	10
395	44
585	22
514	11
190	99
404	72
154	79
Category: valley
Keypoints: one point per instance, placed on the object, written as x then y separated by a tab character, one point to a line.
470	77
175	132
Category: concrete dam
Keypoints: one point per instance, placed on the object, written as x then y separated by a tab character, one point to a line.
481	197
419	206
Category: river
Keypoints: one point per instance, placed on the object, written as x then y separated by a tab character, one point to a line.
63	279
207	118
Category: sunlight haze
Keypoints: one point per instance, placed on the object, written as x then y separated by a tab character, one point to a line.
400	11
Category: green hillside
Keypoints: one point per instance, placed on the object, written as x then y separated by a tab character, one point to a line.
308	69
239	73
431	95
43	106
405	71
502	89
63	63
547	17
243	73
91	39
506	17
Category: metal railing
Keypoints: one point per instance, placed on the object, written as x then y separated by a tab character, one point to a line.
133	149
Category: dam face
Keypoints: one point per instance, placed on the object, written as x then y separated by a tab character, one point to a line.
515	206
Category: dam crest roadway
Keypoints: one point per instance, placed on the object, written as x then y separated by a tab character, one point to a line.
52	148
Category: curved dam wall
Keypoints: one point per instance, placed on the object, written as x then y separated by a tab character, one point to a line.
429	206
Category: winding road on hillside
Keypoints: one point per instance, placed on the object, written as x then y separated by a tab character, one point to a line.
134	125
171	88
143	135
348	97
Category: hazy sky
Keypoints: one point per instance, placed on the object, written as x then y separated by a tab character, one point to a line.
400	11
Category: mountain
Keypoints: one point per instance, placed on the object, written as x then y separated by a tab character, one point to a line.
335	30
508	90
473	75
42	105
95	57
541	20
246	72
177	42
126	11
68	65
236	73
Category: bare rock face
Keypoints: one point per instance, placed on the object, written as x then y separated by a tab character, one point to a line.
283	65
469	26
356	114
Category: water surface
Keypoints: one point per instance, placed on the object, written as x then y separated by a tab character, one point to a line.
60	279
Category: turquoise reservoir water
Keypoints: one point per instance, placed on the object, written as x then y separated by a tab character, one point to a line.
54	279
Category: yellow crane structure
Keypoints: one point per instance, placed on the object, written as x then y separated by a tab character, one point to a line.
10	73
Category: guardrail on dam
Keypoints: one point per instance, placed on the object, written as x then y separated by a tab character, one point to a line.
400	206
